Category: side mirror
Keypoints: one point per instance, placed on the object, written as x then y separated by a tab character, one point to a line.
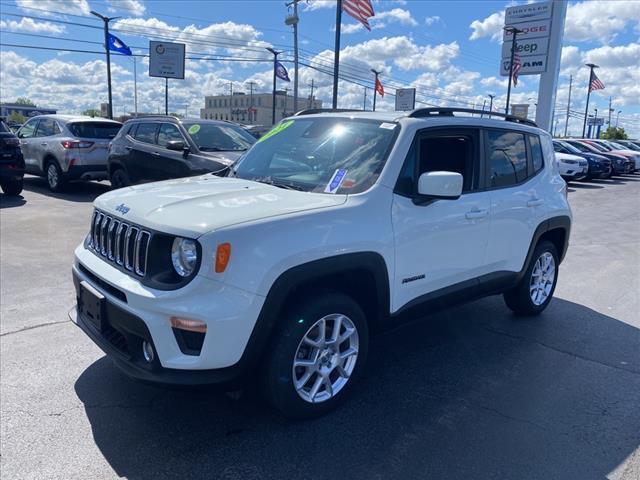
175	145
440	185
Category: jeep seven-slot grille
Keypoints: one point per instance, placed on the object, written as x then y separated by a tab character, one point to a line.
120	242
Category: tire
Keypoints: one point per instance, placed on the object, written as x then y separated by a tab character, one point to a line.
12	187
329	363
521	299
119	179
54	176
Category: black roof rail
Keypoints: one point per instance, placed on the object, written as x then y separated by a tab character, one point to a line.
311	111
449	112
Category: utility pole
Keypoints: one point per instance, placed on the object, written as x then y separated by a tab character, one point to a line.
311	96
566	122
336	54
286	102
484	102
294	20
166	95
135	88
231	100
375	83
514	31
610	110
586	108
364	102
106	21
251	84
273	94
491	96
618	117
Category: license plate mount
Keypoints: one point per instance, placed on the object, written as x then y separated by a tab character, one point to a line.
92	305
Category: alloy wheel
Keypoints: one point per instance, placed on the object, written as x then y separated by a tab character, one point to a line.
325	358
52	176
542	278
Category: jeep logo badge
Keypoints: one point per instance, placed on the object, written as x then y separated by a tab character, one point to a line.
122	208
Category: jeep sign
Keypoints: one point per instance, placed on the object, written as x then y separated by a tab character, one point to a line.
530	65
525	48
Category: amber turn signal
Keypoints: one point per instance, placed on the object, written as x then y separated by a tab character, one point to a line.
190	325
223	254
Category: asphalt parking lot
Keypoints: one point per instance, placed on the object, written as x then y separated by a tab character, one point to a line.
471	392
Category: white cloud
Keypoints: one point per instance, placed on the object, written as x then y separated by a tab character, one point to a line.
80	7
397	15
429	21
318	4
30	25
495	82
136	7
489	27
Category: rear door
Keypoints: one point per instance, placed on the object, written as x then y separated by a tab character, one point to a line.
141	161
514	177
27	134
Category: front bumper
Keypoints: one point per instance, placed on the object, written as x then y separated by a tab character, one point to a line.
139	313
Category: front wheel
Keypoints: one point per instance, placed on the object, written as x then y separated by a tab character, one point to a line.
12	187
535	290
318	353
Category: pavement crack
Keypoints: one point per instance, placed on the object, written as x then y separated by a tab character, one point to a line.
509	417
559	350
31	327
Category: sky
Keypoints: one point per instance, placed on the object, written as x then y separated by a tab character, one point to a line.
448	50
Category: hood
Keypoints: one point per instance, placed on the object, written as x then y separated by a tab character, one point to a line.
594	156
567	156
223	157
626	153
197	205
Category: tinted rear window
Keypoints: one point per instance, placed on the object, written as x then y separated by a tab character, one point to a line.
94	129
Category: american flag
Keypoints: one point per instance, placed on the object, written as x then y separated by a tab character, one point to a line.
517	65
596	84
361	10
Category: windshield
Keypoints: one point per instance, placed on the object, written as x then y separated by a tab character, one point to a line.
94	129
581	146
218	137
570	147
616	146
600	147
331	155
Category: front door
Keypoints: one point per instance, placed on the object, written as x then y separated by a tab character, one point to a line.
27	136
439	243
170	163
142	156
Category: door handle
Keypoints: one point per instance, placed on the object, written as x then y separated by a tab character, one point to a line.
127	147
44	144
475	214
536	202
157	154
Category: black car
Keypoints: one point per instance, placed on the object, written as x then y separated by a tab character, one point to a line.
599	166
149	149
619	164
11	161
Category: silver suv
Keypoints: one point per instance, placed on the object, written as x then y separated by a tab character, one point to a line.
63	148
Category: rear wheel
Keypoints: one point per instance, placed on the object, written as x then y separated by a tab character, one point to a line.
119	179
318	353
55	180
535	290
12	187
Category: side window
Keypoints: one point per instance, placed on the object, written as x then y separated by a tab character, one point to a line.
446	151
47	127
169	132
536	153
146	132
28	130
507	156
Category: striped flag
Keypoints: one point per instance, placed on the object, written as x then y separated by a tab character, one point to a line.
361	10
596	84
517	65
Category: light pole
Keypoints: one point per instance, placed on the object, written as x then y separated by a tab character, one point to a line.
586	108
293	20
513	31
618	117
106	21
375	90
491	96
273	95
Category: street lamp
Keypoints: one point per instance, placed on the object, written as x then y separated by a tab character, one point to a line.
586	108
618	117
106	21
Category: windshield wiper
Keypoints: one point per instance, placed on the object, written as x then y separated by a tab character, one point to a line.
217	149
286	186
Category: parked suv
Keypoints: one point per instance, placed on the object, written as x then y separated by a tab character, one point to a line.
331	227
64	148
619	163
598	166
159	148
11	162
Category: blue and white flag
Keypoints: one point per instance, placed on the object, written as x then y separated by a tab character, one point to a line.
117	45
281	72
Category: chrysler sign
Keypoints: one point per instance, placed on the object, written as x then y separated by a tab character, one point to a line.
524	13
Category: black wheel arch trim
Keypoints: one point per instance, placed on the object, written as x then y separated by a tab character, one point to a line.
562	222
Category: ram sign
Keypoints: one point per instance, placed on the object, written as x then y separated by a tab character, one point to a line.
529	65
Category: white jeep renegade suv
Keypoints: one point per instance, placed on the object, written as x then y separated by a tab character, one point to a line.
329	228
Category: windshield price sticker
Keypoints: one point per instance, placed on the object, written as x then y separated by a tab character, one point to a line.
336	181
388	126
276	130
193	129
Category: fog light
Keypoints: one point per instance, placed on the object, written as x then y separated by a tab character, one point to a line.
147	352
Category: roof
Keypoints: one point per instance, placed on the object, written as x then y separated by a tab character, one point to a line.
76	118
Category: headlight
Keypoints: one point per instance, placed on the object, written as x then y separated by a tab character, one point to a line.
184	256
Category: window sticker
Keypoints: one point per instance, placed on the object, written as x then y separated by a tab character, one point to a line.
276	130
336	181
193	129
388	126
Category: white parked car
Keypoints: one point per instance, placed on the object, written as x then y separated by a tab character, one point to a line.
572	167
331	227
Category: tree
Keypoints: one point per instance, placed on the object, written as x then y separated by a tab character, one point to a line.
614	133
92	112
24	101
16	117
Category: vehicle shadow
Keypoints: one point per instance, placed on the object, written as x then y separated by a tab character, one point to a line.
471	392
584	186
7	201
73	192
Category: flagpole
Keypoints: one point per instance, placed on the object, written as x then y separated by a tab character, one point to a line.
375	87
586	108
273	94
336	54
514	31
106	21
